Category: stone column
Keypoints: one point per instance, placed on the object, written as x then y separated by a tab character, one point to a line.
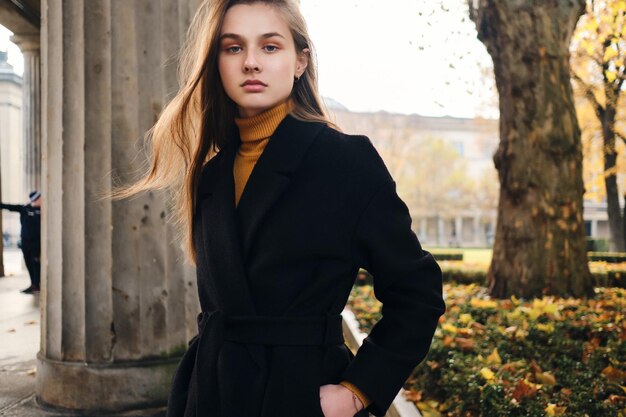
31	110
118	302
477	231
458	226
594	228
441	234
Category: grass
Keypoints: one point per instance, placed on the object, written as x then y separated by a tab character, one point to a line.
476	256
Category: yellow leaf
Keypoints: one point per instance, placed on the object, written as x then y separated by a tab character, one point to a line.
494	357
465	318
545	378
449	327
429	408
548	328
609	53
480	303
487	374
534	313
553	410
610	75
592	25
521	334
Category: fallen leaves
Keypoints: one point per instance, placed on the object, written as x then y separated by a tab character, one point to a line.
510	349
525	389
614	375
487	374
494	358
554	410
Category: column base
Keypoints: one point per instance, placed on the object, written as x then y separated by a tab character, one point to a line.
104	388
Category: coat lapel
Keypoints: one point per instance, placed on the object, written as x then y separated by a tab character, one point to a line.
220	235
228	231
272	174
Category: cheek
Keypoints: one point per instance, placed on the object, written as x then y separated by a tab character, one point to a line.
225	70
284	72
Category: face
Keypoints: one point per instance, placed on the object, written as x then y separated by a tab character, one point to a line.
257	58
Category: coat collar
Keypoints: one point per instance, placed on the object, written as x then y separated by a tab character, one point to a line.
228	232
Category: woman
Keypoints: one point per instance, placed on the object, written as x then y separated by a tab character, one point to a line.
279	210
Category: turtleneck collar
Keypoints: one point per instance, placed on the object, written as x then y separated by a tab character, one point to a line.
263	124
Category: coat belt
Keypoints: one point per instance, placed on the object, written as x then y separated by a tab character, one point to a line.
215	327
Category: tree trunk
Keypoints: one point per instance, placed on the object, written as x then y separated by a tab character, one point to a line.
624	217
539	245
616	224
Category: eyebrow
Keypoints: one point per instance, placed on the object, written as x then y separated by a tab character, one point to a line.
238	37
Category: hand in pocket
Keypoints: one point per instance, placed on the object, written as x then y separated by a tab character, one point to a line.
336	401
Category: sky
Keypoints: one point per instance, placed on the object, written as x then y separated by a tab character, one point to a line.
391	58
15	56
399	56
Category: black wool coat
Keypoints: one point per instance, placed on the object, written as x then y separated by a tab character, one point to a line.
275	272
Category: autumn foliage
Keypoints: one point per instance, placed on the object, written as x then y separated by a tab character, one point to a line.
548	356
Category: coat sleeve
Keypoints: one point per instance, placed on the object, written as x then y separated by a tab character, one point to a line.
11	207
408	283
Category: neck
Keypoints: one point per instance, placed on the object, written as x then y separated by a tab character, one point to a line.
263	124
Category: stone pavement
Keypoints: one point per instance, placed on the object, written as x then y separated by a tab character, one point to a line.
19	335
19	343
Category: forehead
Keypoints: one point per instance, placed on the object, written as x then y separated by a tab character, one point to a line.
252	20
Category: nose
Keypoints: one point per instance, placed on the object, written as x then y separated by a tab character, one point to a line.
251	63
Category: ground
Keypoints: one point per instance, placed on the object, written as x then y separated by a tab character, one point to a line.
19	343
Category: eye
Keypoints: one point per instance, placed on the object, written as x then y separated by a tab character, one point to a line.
272	48
230	49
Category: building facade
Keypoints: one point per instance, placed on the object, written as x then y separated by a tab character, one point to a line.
11	148
475	140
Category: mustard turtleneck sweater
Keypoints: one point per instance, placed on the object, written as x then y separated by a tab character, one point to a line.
255	132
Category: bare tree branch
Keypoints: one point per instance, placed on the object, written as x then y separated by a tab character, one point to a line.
620	135
597	107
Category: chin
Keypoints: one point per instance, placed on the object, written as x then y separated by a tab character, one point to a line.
258	106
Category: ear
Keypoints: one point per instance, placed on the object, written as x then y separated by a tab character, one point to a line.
302	61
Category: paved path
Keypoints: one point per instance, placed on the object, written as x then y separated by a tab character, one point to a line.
19	335
19	343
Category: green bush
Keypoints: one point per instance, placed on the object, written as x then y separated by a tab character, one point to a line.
608	257
460	274
464	275
515	357
597	245
448	256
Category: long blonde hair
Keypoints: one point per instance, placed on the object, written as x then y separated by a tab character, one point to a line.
198	121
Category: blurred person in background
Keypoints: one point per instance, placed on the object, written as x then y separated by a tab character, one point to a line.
30	236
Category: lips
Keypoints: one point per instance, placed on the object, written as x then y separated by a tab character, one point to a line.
254	82
254	86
